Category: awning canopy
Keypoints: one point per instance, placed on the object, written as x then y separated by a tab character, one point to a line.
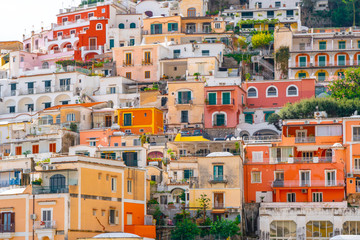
307	148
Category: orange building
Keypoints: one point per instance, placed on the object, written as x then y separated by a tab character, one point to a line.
104	137
140	120
303	166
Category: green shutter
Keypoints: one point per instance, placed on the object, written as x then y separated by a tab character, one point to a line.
249	118
302	61
302	75
152	28
127	119
212	98
180	97
321	76
186	174
220	120
226	98
322	61
112	42
341	60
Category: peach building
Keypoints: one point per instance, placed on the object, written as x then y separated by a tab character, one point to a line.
78	197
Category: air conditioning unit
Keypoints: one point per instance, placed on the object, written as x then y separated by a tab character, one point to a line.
303	190
350	175
45	167
27	170
128	131
33	216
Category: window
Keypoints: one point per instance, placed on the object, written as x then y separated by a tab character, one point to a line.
132	25
85	29
35	149
116	144
302	61
289	13
292	91
70	117
305	178
128	58
317	196
147	57
271	92
357	163
188	173
319	230
46	120
259	4
184	97
129	186
257	156
218	172
30	107
21	59
330	177
291	197
98	26
356	133
121	26
103	10
270	14
267	115
341	60
90	15
11	109
156	28
94	212
322	61
277	4
132	42
249	118
217	25
302	75
184	117
219	119
342	44
283	230
113	184
322	45
64	102
279	176
59	34
255	177
147	74
321	76
112	90
247	14
205	53
328	130
226	98
191	12
113	216
128	75
77	17
212	98
351	228
130	159
172	27
252	92
52	147
127	119
136	142
18	150
92	142
176	53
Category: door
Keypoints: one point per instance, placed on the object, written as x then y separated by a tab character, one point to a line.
218	200
92	43
156	28
330	178
35	149
218	172
322	61
278	154
305	178
7	222
112	43
341	60
190	28
220	120
307	156
302	61
108	121
300	135
226	98
129	219
57	183
46	218
18	150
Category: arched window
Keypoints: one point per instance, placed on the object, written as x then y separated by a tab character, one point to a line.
292	91
132	25
271	92
191	12
252	92
46	120
58	119
98	26
58	184
45	65
121	26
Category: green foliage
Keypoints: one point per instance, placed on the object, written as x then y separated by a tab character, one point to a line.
153	201
159	217
65	63
239	57
262	21
274	119
347	86
27	153
185	230
242	43
225	228
84	2
73	127
182	215
46	160
205	231
182	196
261	40
282	56
37	182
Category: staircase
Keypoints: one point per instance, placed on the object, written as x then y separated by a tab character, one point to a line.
266	65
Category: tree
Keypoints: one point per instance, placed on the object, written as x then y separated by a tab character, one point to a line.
204	204
261	39
282	56
353	8
346	86
159	216
275	120
242	43
186	229
225	228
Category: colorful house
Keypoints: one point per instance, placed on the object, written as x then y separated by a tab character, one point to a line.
140	120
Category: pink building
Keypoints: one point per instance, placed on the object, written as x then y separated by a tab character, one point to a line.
223	105
272	94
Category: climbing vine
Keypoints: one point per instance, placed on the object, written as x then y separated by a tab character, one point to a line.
282	56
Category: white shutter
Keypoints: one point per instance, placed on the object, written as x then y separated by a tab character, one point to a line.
117	217
257	156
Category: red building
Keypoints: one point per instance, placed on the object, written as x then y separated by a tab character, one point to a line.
301	166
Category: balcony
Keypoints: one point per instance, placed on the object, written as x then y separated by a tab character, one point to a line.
220	102
305	140
147	62
218	179
183	101
318	64
307	183
62	88
128	63
262	139
219	205
44	225
291	160
7	228
49	190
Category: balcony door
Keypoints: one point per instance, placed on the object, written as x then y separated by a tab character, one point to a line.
307	156
218	200
301	135
57	183
46	218
304	178
92	43
8	222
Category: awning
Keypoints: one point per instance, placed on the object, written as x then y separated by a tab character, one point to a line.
307	148
218	211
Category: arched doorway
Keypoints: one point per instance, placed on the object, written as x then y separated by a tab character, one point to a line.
57	183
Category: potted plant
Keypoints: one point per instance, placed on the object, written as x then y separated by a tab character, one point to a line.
196	75
291	159
37	182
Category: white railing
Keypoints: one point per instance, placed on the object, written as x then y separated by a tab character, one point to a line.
45	225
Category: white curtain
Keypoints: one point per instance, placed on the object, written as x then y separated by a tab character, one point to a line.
328	131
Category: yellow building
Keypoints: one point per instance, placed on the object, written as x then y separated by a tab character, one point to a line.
75	196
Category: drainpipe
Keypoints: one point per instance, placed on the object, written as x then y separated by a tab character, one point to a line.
33	228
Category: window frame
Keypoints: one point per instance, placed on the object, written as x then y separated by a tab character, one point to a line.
271	96
287	91
256	91
252	177
293	197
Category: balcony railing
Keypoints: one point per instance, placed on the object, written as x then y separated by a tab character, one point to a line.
291	160
128	63
308	183
63	88
44	225
304	139
218	179
13	93
7	228
49	189
183	101
218	205
260	139
221	102
147	62
31	91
